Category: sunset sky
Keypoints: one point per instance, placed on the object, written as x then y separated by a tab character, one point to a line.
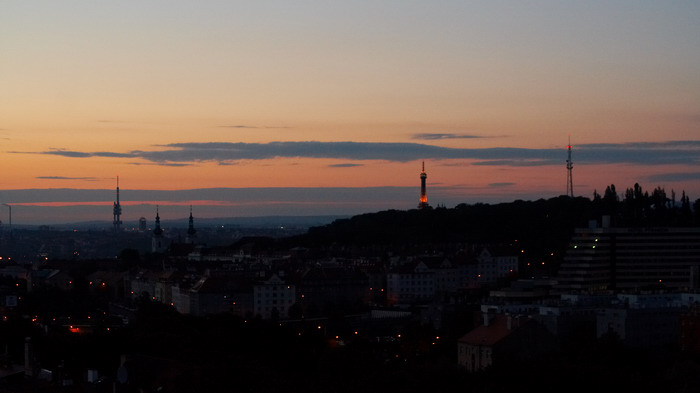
247	108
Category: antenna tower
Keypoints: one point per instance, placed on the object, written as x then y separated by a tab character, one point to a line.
423	204
117	211
569	167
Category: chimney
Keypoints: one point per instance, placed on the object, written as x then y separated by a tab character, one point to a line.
514	321
28	358
489	315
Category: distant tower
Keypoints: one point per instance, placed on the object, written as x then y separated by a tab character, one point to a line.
569	167
142	224
191	232
117	211
157	244
423	204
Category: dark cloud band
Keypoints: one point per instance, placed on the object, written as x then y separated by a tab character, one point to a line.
66	178
641	153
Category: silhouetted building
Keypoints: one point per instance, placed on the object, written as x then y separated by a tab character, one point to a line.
503	339
631	258
143	225
492	264
331	286
690	329
421	281
221	294
109	283
273	298
652	328
142	284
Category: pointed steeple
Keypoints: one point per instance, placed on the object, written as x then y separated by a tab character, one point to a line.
157	242
191	232
158	230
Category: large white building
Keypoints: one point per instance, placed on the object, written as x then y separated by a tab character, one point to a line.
273	297
418	282
492	264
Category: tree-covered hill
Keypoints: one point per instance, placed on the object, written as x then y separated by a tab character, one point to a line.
538	228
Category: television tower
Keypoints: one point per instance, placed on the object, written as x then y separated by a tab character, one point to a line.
423	204
191	232
117	211
569	167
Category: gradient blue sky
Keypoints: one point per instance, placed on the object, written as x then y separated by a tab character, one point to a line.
330	107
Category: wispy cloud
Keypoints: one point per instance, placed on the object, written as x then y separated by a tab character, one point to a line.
173	164
348	165
254	127
398	152
438	136
227	153
642	153
66	178
80	154
674	177
504	184
519	162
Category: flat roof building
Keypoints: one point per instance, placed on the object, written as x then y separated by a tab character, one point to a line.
623	259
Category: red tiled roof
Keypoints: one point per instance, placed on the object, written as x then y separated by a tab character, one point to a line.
488	335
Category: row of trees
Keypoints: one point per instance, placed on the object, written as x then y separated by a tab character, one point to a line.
637	207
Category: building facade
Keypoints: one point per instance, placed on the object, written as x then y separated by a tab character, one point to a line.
600	259
273	298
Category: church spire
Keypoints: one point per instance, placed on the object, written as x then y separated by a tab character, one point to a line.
157	242
158	230
191	232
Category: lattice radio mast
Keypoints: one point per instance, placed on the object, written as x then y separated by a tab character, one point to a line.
569	167
117	212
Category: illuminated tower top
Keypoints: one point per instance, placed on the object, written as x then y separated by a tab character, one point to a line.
423	196
117	210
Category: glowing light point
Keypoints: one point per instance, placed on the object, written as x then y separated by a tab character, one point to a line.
423	204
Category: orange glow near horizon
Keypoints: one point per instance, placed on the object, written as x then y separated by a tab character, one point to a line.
219	203
86	96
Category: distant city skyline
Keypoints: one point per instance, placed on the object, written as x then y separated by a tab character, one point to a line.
322	107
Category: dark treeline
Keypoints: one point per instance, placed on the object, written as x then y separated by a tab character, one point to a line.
539	229
637	207
501	222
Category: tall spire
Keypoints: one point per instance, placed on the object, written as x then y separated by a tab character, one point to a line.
423	196
569	167
158	230
117	210
157	243
191	232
